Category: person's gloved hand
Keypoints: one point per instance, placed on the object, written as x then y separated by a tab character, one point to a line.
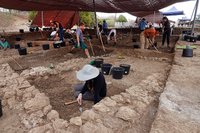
148	37
78	46
79	99
163	32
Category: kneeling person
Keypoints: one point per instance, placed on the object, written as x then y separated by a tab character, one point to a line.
95	87
4	43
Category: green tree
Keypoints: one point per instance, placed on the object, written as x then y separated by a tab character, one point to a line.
86	18
32	15
121	18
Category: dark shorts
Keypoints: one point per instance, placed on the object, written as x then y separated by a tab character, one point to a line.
82	44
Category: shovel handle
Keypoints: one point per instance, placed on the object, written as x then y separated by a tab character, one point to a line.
70	102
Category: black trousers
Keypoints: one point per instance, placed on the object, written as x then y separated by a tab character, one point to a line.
105	31
167	33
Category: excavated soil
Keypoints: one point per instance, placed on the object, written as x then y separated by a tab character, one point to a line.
143	64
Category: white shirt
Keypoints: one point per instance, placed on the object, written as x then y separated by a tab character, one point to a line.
112	31
53	33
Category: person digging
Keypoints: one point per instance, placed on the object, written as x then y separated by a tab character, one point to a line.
59	28
80	41
95	87
112	35
150	33
4	44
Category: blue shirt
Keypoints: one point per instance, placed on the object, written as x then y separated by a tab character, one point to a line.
105	25
142	24
80	33
5	44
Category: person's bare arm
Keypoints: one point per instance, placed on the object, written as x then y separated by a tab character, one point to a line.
153	39
172	21
5	48
77	36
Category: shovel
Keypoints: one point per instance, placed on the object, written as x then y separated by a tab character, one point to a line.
18	65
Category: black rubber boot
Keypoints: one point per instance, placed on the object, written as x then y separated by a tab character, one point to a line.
115	44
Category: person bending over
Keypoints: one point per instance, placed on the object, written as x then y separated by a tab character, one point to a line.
112	35
80	41
150	33
68	34
166	31
59	28
4	44
95	87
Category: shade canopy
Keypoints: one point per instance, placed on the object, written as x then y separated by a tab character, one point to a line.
173	11
67	18
108	6
185	19
150	17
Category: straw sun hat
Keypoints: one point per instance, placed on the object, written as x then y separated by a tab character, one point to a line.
88	72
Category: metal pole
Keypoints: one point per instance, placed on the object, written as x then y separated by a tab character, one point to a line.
115	19
192	14
78	19
95	17
42	20
154	18
195	14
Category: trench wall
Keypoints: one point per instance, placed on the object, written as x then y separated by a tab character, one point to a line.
179	108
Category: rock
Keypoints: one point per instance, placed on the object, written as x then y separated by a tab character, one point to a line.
47	109
3	103
34	92
88	115
14	75
36	103
53	115
76	121
35	118
12	102
61	131
117	98
24	85
60	124
100	107
27	96
108	102
19	93
9	94
30	89
91	128
42	129
127	114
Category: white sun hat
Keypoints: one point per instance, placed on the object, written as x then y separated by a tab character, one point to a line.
88	72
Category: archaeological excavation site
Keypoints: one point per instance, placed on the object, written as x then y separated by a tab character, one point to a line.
158	94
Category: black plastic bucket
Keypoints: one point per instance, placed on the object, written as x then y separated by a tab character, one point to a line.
45	46
198	37
18	38
105	68
136	46
1	112
22	51
98	62
118	72
29	44
126	68
16	46
134	40
37	29
187	52
21	30
63	44
56	45
193	39
31	29
186	37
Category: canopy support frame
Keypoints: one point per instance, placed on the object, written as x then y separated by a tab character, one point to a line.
95	17
197	3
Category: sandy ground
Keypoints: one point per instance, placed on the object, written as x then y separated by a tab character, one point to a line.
13	23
